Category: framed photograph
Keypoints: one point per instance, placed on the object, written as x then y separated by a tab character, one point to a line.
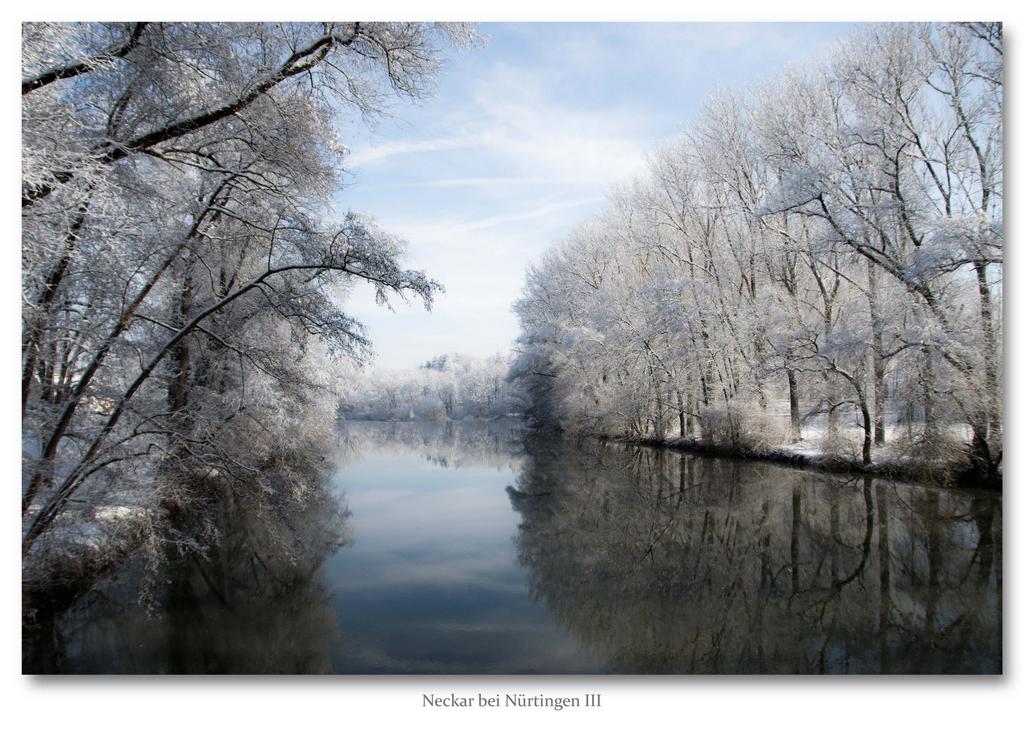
569	348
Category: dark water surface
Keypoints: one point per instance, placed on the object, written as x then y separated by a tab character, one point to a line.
476	548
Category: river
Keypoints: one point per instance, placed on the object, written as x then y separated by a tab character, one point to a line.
480	548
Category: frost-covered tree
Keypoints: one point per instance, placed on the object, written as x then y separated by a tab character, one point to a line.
826	245
182	272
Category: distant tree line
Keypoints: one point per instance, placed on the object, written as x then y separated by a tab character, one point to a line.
447	387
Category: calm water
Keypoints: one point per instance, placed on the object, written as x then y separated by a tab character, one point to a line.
465	548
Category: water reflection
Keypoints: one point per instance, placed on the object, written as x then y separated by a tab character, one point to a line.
609	559
432	582
658	562
249	598
497	445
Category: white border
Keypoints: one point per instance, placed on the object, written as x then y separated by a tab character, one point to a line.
324	707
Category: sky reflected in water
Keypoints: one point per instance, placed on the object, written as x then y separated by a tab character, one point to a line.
431	581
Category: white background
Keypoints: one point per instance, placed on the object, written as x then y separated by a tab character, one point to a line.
830	707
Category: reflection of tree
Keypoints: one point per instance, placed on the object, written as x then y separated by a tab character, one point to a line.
448	444
249	599
658	562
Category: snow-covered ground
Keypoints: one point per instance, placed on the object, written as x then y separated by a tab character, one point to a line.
812	443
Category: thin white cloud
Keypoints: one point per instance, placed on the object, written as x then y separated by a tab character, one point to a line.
373	153
557	206
477	182
517	234
515	123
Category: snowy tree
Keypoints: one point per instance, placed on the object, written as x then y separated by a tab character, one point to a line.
828	242
182	280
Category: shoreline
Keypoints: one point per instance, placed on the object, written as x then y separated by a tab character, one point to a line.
965	478
888	470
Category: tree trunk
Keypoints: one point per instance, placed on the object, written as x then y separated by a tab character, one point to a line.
865	453
33	332
988	427
878	361
928	390
794	406
681	400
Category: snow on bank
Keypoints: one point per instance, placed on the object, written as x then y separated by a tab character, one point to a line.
895	459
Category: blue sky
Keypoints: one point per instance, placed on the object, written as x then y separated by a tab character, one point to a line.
522	140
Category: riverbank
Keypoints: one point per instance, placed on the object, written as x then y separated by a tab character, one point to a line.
812	458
